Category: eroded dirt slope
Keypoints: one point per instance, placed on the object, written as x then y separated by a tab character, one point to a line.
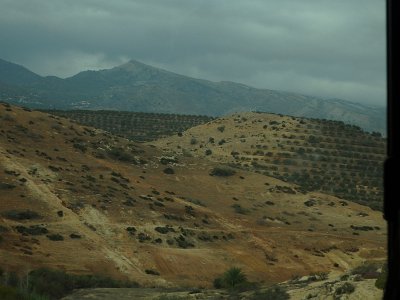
82	200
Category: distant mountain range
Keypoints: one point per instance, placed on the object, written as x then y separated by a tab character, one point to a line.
135	86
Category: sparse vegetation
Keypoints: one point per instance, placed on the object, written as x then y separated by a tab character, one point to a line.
152	272
55	237
121	154
366	270
345	288
231	278
222	171
20	215
31	230
94	190
221	128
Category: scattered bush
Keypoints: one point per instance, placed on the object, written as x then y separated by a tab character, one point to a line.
164	230
74	236
183	243
345	288
31	230
310	202
55	237
366	271
167	160
6	186
131	229
152	272
121	154
222	171
20	215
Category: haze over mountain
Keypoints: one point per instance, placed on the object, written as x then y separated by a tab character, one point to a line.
135	86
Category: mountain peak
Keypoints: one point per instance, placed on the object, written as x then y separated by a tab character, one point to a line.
133	65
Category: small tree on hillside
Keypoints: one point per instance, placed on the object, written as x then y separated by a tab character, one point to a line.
233	277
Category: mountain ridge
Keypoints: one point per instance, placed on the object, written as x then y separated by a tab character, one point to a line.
135	86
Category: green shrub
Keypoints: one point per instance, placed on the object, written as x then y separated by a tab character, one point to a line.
222	171
152	272
345	288
55	237
121	154
366	270
31	230
231	278
20	215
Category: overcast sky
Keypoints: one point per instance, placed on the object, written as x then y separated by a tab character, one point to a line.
328	48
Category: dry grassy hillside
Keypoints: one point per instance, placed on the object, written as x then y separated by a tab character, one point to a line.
319	155
82	200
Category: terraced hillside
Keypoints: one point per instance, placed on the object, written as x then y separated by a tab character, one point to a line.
133	125
84	201
319	155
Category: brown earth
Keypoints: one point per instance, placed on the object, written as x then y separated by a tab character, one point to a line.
86	182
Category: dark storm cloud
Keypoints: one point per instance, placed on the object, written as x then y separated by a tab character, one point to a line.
316	47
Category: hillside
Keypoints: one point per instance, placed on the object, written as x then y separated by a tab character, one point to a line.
132	125
135	86
81	200
319	155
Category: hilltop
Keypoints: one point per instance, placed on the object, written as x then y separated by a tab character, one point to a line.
318	155
135	86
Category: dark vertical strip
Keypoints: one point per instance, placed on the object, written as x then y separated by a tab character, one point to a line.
392	164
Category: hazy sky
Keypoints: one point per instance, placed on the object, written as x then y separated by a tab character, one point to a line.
328	48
